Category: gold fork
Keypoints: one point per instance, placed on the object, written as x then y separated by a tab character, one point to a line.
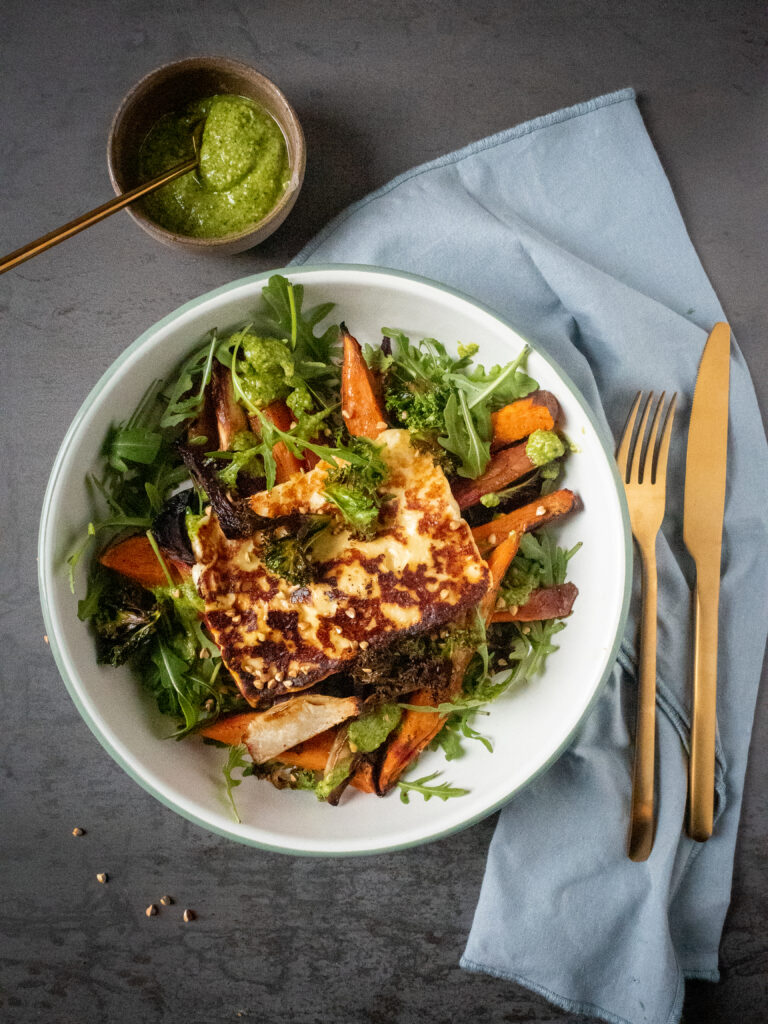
643	467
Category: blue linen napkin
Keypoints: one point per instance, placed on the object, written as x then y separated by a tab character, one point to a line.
567	226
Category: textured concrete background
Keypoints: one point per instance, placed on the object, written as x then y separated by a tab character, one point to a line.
379	88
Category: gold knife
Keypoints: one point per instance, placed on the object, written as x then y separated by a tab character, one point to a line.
703	534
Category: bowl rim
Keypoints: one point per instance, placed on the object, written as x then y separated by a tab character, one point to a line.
46	535
297	167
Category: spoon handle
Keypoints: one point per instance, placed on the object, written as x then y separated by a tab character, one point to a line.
13	259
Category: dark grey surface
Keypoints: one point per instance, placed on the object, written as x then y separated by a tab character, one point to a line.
379	88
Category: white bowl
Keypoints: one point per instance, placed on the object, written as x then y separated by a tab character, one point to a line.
529	727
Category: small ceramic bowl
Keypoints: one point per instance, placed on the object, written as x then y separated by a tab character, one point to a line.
170	88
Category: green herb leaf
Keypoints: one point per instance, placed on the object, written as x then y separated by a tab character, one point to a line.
462	438
443	790
235	760
185	399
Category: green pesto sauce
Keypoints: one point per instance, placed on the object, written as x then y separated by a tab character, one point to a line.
243	167
543	446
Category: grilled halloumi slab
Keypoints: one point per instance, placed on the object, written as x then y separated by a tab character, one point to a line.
420	570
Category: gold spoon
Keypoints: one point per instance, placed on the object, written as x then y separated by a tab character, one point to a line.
13	259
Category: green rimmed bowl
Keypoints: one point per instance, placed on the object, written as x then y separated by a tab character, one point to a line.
529	727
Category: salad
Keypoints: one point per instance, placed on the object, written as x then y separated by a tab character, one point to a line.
327	557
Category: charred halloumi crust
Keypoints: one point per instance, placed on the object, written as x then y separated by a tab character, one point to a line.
420	570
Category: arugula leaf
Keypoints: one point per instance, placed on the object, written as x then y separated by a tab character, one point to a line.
443	790
181	405
171	671
235	759
445	406
455	728
287	319
497	387
462	438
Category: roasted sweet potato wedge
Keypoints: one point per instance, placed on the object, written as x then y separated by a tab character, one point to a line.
544	603
527	517
134	558
361	405
287	465
505	467
538	411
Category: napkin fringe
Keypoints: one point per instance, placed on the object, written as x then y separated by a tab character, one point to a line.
574	1005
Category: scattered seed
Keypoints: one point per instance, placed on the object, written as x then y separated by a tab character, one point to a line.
166	901
492	539
189	915
541	511
45	638
525	629
271	684
345	414
205	653
351	613
367	670
77	831
503	662
176	592
261	637
443	594
381	425
102	877
279	677
151	910
364	644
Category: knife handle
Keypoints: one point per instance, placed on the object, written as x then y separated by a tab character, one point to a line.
701	771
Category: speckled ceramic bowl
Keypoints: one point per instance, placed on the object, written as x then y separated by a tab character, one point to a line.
170	88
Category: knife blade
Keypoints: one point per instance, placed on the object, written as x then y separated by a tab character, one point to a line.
705	466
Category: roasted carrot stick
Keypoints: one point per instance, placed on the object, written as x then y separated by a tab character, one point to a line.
527	517
418	728
287	465
134	558
545	603
537	411
229	728
360	401
505	467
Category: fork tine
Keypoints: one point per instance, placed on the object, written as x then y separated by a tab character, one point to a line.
660	465
622	453
635	471
650	452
